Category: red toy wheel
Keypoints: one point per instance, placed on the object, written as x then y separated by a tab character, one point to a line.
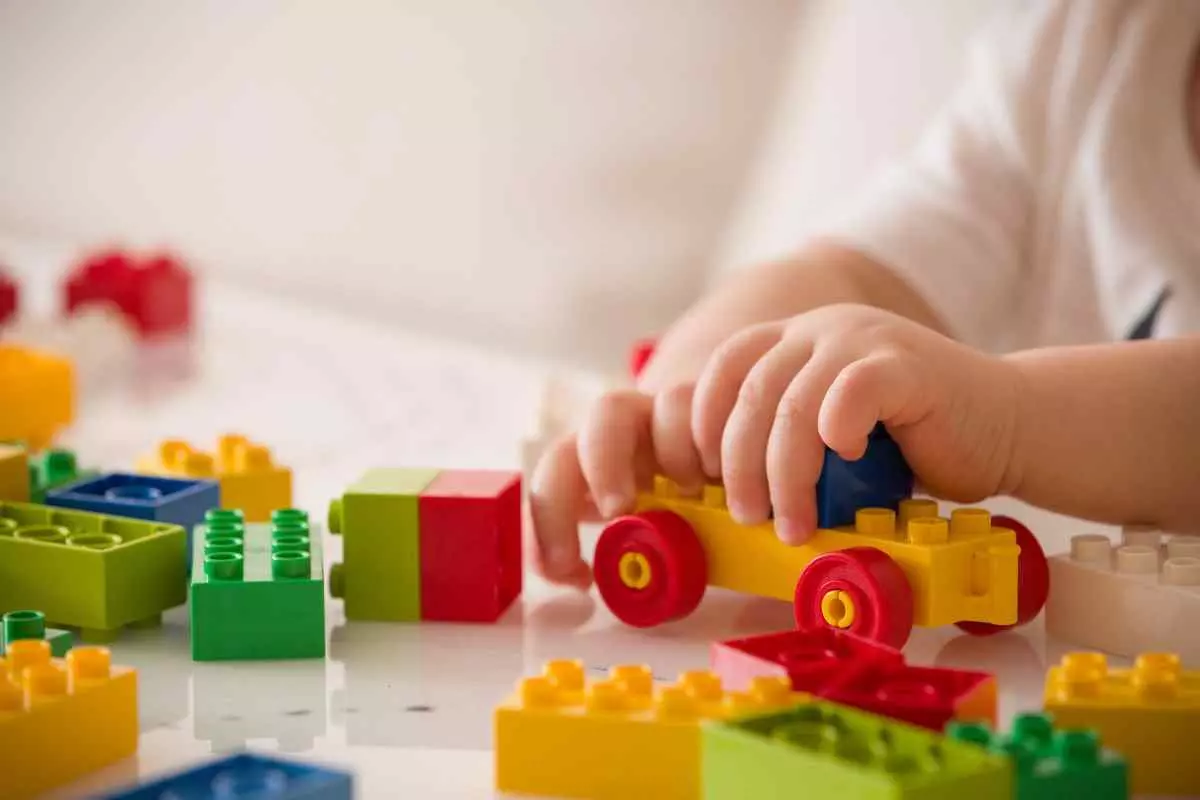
640	355
650	568
1033	580
861	590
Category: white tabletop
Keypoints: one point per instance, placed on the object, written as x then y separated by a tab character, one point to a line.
407	707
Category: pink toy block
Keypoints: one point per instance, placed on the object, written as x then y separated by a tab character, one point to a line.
470	545
1141	596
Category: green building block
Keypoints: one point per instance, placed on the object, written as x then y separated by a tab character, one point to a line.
1050	763
258	590
822	750
90	571
17	625
51	469
380	574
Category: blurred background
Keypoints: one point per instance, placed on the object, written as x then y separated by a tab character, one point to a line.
552	178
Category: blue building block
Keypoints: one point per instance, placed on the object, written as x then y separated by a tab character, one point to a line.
880	479
247	776
178	501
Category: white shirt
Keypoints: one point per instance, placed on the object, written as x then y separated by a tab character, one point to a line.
1058	195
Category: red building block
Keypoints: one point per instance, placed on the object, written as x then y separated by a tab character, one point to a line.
470	545
155	294
844	668
9	298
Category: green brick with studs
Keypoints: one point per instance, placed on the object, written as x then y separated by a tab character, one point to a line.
257	590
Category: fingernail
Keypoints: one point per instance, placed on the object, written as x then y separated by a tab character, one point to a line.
789	532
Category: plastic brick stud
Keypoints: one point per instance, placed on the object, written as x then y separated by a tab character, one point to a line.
247	776
51	469
258	590
378	517
616	737
18	625
90	571
154	293
1150	714
14	474
1137	597
250	479
1050	764
470	545
61	719
172	500
37	395
851	670
832	752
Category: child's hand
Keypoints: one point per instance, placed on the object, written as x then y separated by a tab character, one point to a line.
769	401
773	396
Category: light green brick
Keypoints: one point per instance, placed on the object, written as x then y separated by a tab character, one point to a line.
378	518
90	571
824	750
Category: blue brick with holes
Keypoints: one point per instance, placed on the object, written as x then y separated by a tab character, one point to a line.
179	501
247	776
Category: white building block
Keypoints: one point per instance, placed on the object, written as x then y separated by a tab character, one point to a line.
1142	596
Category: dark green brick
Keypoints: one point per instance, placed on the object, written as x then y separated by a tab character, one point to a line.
257	589
17	625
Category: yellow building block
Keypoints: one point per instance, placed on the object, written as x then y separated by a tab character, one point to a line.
618	737
960	569
37	395
62	718
249	478
1150	714
14	474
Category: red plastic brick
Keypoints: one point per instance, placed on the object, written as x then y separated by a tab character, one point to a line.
9	298
639	356
845	668
155	293
470	545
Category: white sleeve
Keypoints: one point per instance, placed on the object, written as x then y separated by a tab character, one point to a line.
954	219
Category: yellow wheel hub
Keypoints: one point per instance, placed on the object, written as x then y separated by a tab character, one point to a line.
837	608
634	570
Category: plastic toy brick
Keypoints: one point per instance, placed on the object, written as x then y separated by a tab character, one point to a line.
615	738
10	298
1051	764
18	625
880	479
822	750
1150	714
378	517
155	294
90	571
14	474
888	572
843	668
51	469
177	501
62	718
247	776
470	545
37	395
258	590
250	480
1140	597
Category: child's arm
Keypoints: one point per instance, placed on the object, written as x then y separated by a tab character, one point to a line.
1111	432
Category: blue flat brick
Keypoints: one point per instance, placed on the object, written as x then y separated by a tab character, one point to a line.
178	501
247	777
880	479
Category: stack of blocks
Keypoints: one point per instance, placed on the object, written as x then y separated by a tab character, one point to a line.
62	718
428	544
257	590
90	571
251	481
19	625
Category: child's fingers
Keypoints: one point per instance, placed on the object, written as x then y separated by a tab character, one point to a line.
795	452
558	498
609	444
674	448
877	388
744	443
718	387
